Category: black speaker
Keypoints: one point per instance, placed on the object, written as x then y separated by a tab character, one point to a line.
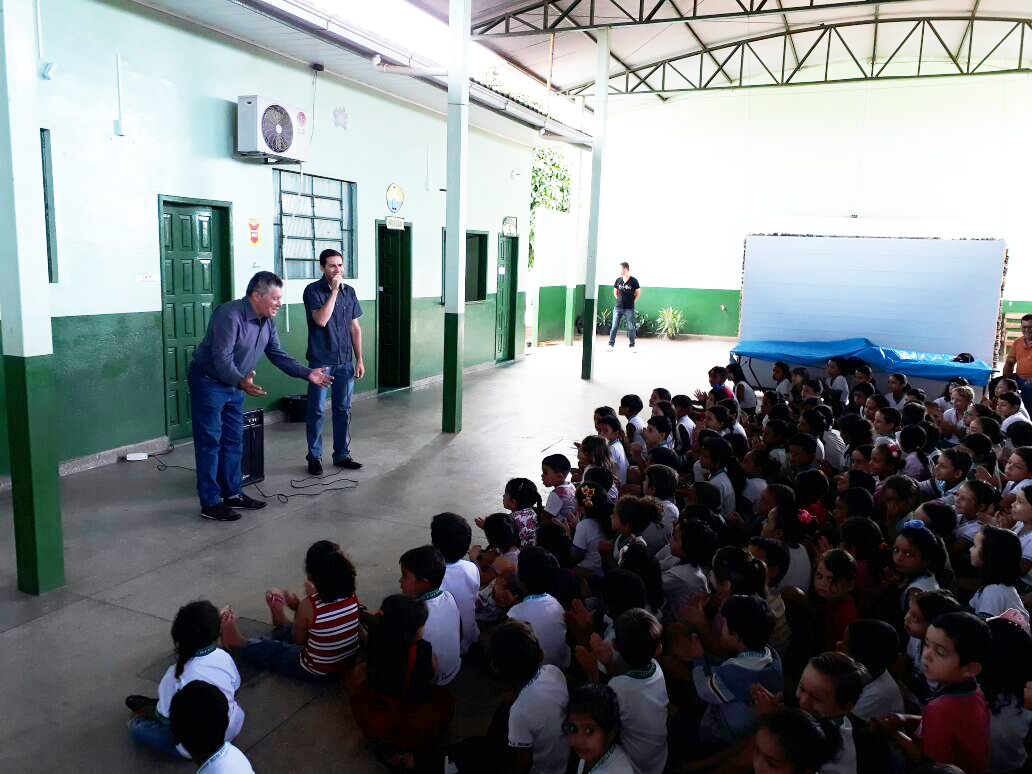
252	465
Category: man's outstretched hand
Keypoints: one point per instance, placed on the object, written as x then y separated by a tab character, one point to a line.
247	385
319	377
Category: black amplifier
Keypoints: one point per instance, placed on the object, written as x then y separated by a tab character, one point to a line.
252	464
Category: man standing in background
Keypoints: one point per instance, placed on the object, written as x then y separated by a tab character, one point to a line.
335	345
626	291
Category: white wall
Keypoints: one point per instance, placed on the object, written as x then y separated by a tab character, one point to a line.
685	182
180	87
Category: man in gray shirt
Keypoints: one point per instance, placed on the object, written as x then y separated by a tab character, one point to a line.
221	372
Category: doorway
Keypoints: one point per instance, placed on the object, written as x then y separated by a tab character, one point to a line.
393	306
505	299
196	276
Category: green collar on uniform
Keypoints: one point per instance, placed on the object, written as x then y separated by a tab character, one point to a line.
431	595
642	674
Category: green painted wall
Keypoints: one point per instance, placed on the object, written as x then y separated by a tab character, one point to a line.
5	453
700	307
428	335
552	310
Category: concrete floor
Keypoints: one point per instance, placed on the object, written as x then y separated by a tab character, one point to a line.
135	550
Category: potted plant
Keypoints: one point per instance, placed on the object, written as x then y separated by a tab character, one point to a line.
604	320
669	322
646	327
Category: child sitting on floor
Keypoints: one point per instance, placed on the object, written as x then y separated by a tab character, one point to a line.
630	407
875	644
199	717
609	428
692	545
791	741
538	571
562	503
833	581
322	640
594	528
996	554
450	534
592	729
195	632
422	572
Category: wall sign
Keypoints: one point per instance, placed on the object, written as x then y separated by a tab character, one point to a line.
509	225
395	223
254	233
395	197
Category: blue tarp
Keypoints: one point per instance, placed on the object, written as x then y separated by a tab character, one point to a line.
928	365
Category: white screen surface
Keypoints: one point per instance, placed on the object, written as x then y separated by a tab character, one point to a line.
925	295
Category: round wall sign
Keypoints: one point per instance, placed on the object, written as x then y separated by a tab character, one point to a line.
395	197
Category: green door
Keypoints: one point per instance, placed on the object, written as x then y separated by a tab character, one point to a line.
193	264
505	299
393	306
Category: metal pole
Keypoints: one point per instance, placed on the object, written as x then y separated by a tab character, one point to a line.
598	146
459	18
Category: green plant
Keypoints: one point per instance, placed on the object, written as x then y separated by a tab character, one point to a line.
669	322
644	324
549	187
605	317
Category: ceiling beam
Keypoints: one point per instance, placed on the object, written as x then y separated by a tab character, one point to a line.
540	16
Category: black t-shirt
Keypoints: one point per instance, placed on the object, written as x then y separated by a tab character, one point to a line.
625	292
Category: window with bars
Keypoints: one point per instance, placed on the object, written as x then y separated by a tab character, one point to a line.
312	214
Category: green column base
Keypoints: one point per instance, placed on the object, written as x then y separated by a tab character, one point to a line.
589	338
32	433
571	316
453	344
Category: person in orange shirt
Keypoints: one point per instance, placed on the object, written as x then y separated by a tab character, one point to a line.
1019	361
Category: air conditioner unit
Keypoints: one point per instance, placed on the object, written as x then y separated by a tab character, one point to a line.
270	129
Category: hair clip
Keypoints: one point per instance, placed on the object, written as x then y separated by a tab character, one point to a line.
915	524
805	517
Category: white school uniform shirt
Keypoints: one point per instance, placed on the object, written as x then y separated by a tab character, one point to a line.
1026	548
615	761
462	581
922	583
1012	487
842	385
748	400
638	426
642	696
671	514
548	620
1012	419
687	423
784	388
586	537
996	598
1008	729
896	404
753	489
845	761
950	417
834	449
536	721
879	698
967	530
799	569
227	760
441	630
215	666
620	464
727	492
681	582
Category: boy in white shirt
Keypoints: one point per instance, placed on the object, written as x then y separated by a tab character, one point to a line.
537	715
538	572
641	691
1010	407
661	484
562	500
685	428
422	572
630	407
452	536
199	716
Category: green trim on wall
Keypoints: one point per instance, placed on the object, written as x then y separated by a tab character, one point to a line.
700	307
451	421
31	396
589	341
551	312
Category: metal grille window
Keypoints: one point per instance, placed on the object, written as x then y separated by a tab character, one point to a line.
312	214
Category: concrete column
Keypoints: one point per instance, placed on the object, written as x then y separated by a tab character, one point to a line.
598	146
25	305
573	242
459	19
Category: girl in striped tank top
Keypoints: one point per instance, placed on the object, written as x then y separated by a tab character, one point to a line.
323	638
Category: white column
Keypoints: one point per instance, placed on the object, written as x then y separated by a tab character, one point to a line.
573	258
598	146
459	19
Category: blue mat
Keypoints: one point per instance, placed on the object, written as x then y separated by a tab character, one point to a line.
929	365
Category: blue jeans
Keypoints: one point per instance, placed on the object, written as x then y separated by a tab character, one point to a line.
1025	387
153	734
218	432
341	390
280	656
628	314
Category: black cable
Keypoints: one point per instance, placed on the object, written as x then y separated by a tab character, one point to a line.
295	483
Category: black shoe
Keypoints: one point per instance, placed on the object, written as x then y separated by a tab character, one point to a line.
348	463
314	467
136	703
245	502
220	512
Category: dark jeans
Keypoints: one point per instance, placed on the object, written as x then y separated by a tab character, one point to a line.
1025	388
281	655
341	390
632	325
154	734
218	432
